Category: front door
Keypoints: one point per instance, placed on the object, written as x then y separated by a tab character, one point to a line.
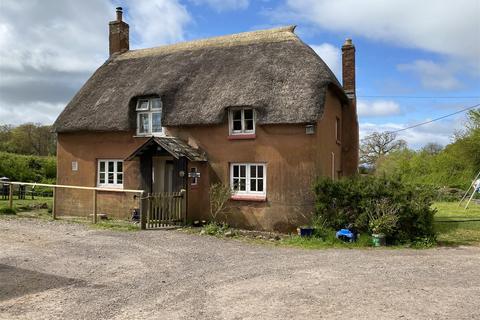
162	174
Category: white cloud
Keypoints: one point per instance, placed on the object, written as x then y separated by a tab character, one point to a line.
332	56
378	108
48	48
36	112
445	27
223	5
432	75
156	22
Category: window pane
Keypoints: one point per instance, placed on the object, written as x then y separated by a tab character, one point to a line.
235	171
142	104
102	178
260	171
156	122
119	166
243	185
243	171
253	185
237	125
235	184
143	123
260	185
110	178
253	171
237	115
119	178
248	114
248	124
156	103
111	166
102	166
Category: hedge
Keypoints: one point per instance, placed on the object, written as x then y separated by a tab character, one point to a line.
348	201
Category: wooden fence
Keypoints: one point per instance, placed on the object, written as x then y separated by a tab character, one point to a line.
165	210
94	190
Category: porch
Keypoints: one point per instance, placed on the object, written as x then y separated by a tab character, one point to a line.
164	179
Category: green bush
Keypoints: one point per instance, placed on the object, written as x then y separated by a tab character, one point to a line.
8	211
28	168
350	200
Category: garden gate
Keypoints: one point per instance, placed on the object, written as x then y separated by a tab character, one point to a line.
164	210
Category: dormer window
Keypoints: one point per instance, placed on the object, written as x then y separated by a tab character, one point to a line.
242	121
149	116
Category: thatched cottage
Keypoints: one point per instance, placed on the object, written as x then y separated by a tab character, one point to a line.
259	111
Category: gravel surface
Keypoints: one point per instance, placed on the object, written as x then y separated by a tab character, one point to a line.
57	270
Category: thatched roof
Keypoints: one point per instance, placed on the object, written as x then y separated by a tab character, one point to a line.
270	70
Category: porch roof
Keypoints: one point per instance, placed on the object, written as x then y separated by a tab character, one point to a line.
174	146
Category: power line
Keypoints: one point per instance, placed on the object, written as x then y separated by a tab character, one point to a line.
420	97
433	120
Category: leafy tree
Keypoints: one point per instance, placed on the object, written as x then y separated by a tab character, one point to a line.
29	139
432	148
453	166
377	145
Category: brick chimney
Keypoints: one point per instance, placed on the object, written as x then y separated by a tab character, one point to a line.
119	34
348	67
350	143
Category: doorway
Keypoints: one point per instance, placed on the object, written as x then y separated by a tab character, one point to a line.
162	174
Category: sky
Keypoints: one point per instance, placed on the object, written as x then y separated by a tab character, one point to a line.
415	60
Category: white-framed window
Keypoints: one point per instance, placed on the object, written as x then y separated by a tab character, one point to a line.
149	117
110	173
248	178
241	121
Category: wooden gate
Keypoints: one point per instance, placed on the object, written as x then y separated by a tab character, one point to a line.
164	210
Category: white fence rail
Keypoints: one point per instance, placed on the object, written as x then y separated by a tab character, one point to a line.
55	186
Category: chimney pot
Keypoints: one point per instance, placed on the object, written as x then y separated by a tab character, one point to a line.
119	13
348	42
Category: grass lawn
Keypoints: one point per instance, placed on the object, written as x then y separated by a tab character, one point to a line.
29	208
454	225
457	226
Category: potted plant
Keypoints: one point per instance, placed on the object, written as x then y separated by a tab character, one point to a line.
383	221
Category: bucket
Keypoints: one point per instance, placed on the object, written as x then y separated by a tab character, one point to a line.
378	240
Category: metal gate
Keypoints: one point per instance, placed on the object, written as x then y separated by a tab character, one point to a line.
164	210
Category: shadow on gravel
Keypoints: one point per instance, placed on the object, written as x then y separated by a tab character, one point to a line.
16	282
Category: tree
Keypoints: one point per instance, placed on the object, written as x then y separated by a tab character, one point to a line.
28	139
377	145
432	148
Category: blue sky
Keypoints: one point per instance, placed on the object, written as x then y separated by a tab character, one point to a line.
415	60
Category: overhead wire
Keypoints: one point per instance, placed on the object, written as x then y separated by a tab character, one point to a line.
436	119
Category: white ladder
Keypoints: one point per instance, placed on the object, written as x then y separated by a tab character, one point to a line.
474	189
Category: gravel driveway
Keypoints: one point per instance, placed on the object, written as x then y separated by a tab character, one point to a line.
56	270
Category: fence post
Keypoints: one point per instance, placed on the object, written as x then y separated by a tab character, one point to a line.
10	195
54	211
143	218
94	206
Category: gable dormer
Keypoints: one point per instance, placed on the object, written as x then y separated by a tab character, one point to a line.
148	112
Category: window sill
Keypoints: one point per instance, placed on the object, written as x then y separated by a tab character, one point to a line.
242	136
248	197
115	187
150	135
